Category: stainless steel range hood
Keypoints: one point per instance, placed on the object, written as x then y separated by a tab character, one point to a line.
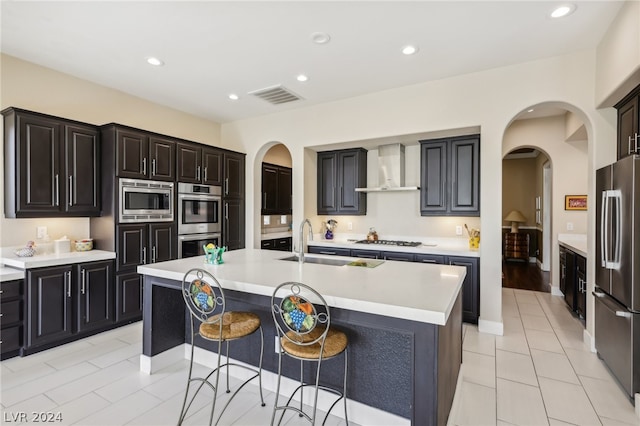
390	170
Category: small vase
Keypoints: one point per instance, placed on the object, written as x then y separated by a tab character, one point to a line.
328	235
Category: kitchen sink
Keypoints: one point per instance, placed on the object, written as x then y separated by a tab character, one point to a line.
319	260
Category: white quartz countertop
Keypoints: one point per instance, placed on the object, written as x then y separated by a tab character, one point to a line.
444	246
10	274
575	242
9	258
413	291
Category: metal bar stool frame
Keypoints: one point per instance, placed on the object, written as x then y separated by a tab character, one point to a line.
305	331
206	302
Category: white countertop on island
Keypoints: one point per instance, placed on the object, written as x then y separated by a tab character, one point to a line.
412	291
9	258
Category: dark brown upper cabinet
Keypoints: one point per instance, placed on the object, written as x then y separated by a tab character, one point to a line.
450	176
52	166
199	164
628	113
233	183
276	189
142	155
339	174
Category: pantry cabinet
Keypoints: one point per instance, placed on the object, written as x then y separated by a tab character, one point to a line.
52	166
276	189
233	203
450	176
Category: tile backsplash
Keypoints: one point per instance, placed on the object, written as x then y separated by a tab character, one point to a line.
275	223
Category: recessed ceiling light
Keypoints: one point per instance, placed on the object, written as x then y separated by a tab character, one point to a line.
564	10
320	38
302	78
233	97
530	110
409	50
151	60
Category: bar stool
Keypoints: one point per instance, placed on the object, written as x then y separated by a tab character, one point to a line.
303	324
205	300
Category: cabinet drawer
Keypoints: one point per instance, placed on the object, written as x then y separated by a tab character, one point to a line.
10	338
332	251
10	312
430	258
401	257
10	289
366	254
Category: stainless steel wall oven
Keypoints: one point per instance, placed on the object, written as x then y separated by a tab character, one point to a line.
199	218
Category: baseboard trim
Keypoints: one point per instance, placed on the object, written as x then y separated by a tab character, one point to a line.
555	291
491	327
151	364
589	340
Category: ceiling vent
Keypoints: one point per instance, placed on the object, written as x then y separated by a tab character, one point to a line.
276	95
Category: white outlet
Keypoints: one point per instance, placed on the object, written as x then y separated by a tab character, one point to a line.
569	226
283	219
266	220
276	344
41	231
458	230
350	226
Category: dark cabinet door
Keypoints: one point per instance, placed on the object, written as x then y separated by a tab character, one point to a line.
163	242
285	187
397	256
50	305
450	176
132	246
95	290
128	297
211	166
233	232
40	172
233	175
133	152
162	159
470	288
327	182
82	164
627	126
269	189
581	286
339	174
436	259
352	173
465	176
189	163
366	254
433	178
570	279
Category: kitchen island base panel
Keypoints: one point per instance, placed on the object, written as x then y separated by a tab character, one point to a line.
402	367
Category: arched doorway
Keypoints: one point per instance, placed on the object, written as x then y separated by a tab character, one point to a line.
273	192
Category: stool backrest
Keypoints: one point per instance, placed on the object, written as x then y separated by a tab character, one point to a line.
203	295
299	312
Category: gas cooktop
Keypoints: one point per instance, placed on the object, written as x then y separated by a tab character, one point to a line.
390	243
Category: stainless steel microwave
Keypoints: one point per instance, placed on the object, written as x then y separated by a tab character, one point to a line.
145	201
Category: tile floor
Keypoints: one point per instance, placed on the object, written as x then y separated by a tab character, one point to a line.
538	373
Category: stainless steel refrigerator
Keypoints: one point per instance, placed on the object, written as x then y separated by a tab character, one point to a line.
617	291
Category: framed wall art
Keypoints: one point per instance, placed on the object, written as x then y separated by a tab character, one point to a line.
575	202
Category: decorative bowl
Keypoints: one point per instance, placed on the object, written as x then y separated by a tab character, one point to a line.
84	245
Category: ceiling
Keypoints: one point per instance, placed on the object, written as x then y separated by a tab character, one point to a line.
213	48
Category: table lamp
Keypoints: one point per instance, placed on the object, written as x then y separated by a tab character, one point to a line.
515	216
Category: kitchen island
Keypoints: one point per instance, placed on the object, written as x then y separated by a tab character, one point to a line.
404	323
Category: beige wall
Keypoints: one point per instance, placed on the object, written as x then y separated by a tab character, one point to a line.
519	188
278	154
28	86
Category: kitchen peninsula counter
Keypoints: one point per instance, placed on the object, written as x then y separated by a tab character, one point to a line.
404	323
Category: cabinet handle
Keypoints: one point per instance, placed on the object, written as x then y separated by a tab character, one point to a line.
144	255
328	252
198	173
144	166
629	146
205	174
226	211
623	314
428	261
57	191
68	279
264	201
153	167
226	186
70	191
153	254
83	280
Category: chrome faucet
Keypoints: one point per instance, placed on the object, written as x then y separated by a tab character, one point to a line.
301	240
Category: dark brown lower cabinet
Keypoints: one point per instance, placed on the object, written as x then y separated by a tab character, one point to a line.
128	297
65	302
233	232
11	310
